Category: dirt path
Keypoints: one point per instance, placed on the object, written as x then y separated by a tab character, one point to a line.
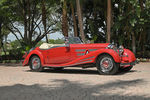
19	83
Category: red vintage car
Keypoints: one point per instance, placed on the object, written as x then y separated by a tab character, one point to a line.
105	56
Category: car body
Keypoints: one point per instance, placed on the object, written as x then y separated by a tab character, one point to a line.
105	56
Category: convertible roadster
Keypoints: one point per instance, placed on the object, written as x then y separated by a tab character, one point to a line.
73	53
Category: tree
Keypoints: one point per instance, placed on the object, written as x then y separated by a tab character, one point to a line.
125	22
131	23
80	20
27	15
3	31
74	19
1	43
44	18
95	19
64	19
108	21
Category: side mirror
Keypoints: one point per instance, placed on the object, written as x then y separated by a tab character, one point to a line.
67	43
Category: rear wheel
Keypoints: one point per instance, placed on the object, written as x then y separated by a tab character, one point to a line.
35	64
106	65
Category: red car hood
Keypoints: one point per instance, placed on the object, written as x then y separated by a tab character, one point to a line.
94	45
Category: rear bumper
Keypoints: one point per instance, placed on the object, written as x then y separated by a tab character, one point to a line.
129	64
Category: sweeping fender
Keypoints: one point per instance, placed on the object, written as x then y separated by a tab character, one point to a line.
110	52
32	53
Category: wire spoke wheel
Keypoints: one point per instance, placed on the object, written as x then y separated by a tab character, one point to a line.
35	64
106	65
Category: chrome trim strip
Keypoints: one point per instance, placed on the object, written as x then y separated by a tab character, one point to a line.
84	62
80	54
92	49
80	50
87	58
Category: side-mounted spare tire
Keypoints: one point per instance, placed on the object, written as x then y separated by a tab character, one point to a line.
35	64
106	65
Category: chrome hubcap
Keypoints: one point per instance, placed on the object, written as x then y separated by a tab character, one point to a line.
35	63
106	64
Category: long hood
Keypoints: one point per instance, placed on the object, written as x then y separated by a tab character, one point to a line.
94	45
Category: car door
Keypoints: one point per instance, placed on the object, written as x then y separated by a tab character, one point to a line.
59	55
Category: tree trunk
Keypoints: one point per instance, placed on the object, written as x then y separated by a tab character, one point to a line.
44	18
0	36
29	23
5	45
80	20
108	21
74	21
144	41
143	32
4	51
141	4
24	11
64	20
133	43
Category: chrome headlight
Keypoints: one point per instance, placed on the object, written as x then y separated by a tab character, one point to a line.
121	50
112	46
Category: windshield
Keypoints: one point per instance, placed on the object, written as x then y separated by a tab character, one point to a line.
74	40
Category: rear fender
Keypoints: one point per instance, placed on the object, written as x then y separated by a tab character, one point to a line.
34	52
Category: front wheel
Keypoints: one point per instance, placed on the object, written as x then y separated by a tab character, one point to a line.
106	65
35	64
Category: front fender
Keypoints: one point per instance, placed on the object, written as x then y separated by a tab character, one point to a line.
34	52
128	56
111	52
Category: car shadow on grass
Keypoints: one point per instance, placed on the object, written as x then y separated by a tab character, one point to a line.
68	90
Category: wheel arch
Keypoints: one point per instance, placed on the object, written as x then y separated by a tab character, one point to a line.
115	57
32	56
114	68
40	56
37	68
102	55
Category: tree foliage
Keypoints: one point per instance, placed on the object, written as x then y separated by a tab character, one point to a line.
26	20
31	20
